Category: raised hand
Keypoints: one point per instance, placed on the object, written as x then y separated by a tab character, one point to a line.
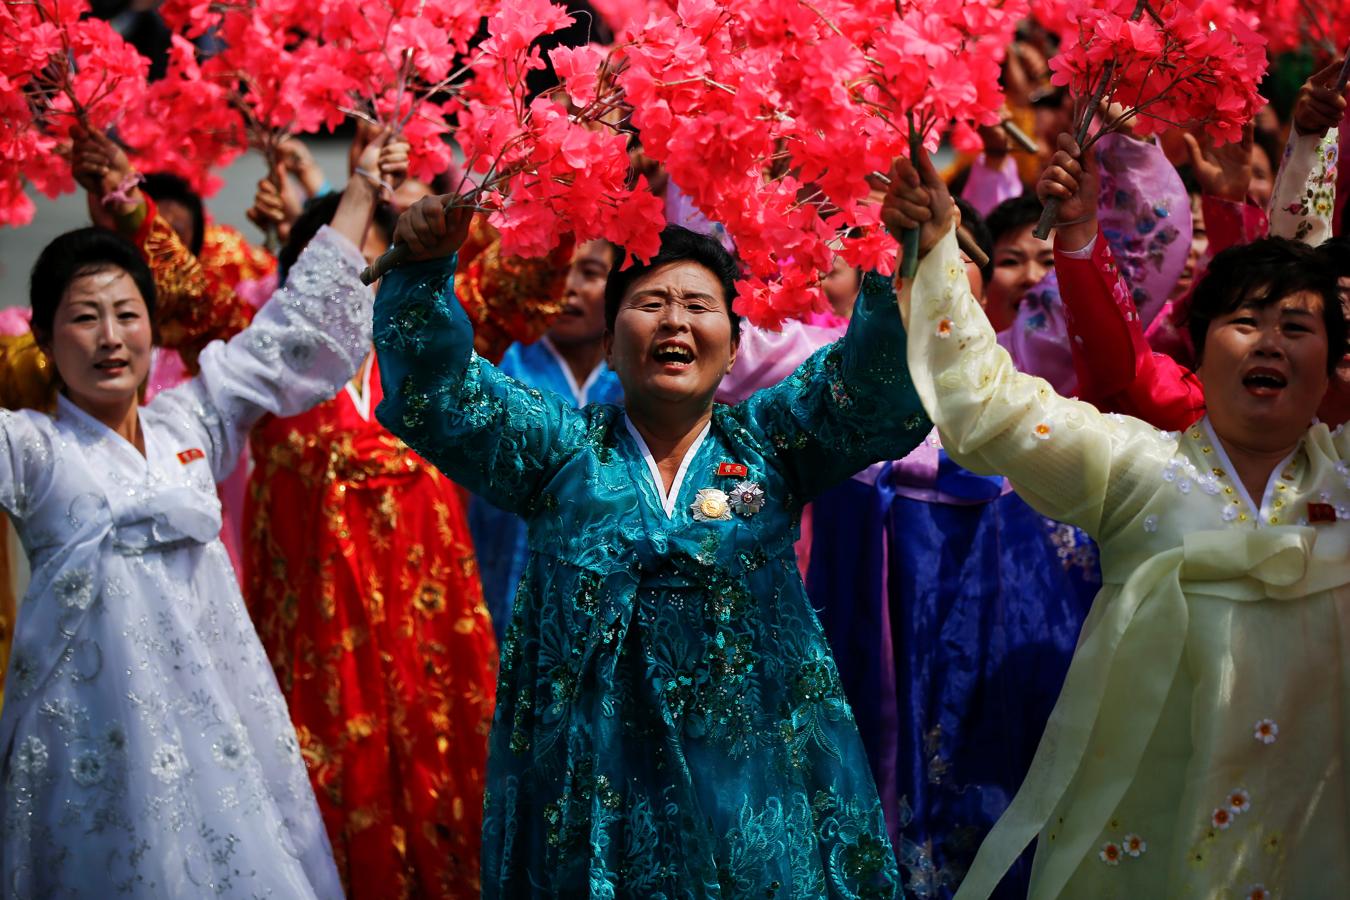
428	229
1319	106
295	156
393	161
366	133
102	169
276	205
1071	178
917	197
1226	171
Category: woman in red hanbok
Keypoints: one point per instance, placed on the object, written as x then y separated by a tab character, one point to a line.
363	584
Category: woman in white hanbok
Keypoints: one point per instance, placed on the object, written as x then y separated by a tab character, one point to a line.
145	748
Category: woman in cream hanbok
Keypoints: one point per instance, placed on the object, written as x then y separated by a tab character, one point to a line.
145	748
1199	746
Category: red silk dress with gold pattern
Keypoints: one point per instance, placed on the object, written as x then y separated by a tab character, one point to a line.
363	585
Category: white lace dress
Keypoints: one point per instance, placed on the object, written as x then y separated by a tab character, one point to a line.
145	749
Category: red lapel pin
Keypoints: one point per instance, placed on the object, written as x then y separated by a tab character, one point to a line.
1321	513
731	469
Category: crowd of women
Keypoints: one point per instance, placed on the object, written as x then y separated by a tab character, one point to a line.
552	577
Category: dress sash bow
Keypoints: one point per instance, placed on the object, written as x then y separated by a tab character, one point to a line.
1127	659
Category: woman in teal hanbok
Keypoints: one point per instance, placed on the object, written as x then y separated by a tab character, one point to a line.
670	723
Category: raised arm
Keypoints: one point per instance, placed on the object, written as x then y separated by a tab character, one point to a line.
193	307
1117	370
1304	196
301	348
1067	459
486	431
849	405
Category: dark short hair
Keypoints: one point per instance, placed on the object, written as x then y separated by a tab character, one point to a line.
164	186
85	251
1012	214
1259	274
1336	251
677	245
318	212
974	223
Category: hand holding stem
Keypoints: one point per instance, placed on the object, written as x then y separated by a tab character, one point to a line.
360	196
1320	105
1071	180
103	169
918	199
433	227
275	204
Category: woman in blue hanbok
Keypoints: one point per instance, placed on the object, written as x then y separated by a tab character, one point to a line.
670	722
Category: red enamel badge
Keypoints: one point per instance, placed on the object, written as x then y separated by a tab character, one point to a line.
733	470
1321	513
187	456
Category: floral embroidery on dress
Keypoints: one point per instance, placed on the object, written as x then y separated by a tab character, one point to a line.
1239	801
1266	731
231	749
1257	892
75	588
1311	209
649	671
1110	853
1221	818
1134	845
168	763
1042	431
31	757
88	768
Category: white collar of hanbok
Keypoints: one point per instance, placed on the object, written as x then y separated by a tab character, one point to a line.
1263	510
580	392
668	498
361	399
67	409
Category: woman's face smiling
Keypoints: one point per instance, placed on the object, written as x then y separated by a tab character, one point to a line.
1265	372
671	342
100	341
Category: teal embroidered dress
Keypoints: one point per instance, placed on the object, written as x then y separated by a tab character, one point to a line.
670	723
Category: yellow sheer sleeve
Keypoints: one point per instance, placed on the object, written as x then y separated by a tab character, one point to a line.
1067	459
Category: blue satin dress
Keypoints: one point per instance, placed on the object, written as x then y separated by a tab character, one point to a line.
670	722
499	537
953	609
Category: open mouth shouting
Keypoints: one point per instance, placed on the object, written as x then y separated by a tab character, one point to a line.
674	356
1263	381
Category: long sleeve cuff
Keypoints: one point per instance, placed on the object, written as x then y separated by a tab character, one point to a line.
1106	336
